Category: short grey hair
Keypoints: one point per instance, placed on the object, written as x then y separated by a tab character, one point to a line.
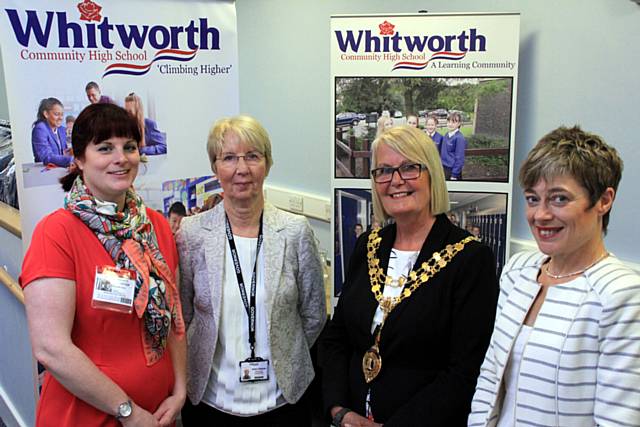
247	129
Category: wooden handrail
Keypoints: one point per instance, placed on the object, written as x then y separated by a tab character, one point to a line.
10	221
13	286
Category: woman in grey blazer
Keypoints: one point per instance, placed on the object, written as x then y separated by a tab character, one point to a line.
252	293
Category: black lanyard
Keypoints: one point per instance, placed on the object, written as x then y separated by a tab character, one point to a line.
249	305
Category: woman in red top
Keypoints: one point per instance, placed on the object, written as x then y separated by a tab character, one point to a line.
100	290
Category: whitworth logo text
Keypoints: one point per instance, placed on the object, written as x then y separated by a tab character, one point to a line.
54	36
414	52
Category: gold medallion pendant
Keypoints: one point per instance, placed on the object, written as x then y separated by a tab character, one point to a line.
371	363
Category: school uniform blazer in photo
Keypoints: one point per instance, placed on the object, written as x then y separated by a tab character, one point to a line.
452	152
155	140
48	147
437	139
581	363
432	343
293	276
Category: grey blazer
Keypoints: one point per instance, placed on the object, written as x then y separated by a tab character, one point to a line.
296	309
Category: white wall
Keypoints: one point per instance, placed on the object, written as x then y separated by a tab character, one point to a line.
579	63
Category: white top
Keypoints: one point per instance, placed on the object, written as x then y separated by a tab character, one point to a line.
224	390
452	132
580	365
400	264
507	414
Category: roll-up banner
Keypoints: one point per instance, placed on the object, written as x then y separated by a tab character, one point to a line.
452	74
175	64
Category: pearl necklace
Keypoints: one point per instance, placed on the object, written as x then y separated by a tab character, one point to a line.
546	271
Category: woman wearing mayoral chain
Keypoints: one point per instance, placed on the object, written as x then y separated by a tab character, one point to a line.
414	319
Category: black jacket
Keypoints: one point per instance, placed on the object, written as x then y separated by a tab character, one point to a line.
432	343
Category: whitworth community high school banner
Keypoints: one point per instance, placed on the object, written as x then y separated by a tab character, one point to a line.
421	70
178	61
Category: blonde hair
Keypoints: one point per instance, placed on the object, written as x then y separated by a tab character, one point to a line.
138	113
247	129
381	124
417	147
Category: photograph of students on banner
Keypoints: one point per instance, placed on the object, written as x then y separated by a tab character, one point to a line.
48	136
154	141
95	96
69	121
195	194
384	123
452	150
430	128
478	139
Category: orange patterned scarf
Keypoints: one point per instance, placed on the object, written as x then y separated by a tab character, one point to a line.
129	238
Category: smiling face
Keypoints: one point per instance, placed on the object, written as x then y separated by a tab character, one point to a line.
54	116
109	168
561	219
431	125
453	124
243	181
93	95
402	199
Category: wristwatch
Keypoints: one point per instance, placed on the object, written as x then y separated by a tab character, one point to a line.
124	410
337	419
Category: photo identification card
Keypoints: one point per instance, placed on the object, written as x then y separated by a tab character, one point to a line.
113	289
253	370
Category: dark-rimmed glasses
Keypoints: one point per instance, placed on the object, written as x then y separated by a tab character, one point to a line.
407	172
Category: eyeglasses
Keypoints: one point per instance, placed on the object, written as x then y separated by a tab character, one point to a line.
406	172
229	160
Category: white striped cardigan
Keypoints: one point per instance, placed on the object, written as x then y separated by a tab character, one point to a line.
581	364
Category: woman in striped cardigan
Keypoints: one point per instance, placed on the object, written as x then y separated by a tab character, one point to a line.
565	349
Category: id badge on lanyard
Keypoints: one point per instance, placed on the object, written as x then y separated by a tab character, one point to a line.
113	289
252	369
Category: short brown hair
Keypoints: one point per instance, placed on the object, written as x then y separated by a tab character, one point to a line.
92	85
432	117
584	156
455	117
97	123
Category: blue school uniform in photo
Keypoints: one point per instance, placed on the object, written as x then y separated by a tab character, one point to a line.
452	153
48	145
437	139
155	140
